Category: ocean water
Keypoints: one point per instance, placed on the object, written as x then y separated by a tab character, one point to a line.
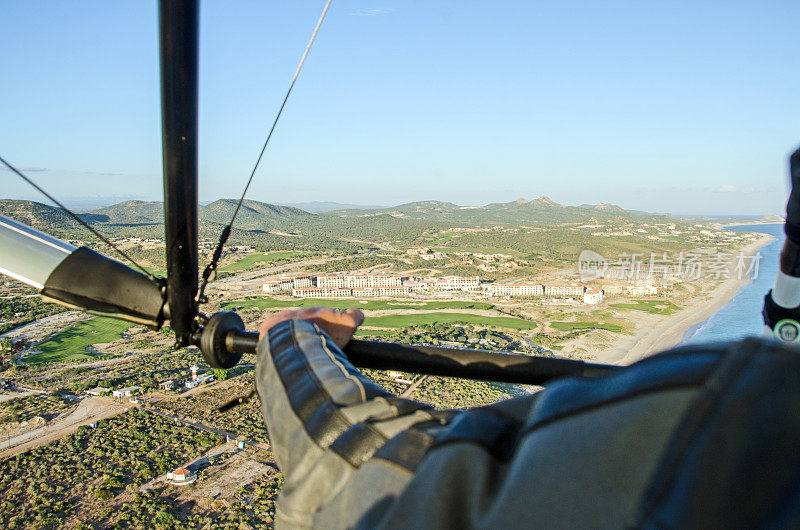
741	317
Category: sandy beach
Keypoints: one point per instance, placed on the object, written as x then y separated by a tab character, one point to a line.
655	333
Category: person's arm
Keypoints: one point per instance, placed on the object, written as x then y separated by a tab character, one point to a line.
580	454
329	425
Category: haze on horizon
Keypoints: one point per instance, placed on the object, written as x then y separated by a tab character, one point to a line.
677	108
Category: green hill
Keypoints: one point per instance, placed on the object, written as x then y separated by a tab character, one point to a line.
253	215
37	215
520	212
273	227
378	224
131	212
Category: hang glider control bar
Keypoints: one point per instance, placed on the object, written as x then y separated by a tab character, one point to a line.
223	340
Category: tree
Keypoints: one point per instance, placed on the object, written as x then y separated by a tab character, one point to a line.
103	494
220	374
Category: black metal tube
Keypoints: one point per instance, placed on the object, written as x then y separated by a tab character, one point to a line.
792	226
240	341
450	362
178	24
468	364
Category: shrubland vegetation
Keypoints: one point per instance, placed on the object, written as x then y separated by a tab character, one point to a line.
244	419
449	393
446	392
19	310
27	407
467	335
557	244
84	472
386	264
252	506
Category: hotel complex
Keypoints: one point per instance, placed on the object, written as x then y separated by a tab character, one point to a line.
287	282
516	289
354	281
371	285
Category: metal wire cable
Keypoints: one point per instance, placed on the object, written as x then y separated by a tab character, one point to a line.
78	219
226	232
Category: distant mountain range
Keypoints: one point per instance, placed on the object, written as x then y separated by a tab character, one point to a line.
519	212
323	206
343	224
252	215
128	212
37	215
255	215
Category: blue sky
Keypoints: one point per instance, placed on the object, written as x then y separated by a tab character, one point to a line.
683	107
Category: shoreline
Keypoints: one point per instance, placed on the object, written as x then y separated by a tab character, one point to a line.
654	333
780	221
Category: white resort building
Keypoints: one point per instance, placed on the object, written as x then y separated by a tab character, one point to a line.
320	292
593	295
287	282
387	285
564	290
352	281
516	289
456	283
330	282
399	290
299	280
276	286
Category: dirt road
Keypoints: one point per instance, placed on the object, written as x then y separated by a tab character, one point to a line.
89	410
